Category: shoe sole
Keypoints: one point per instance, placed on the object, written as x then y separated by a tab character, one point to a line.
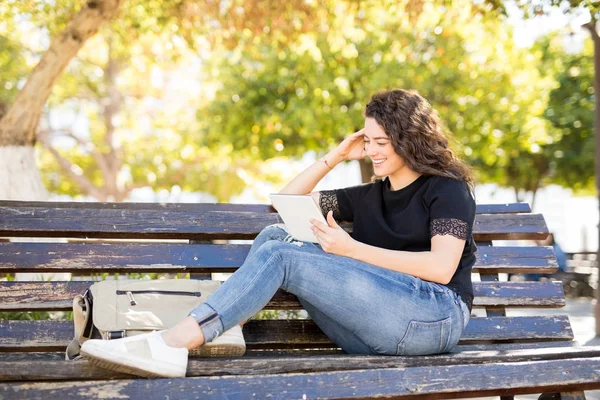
118	363
229	344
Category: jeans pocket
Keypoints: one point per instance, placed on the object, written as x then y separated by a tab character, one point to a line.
422	338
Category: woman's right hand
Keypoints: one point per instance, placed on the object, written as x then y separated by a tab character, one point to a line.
353	147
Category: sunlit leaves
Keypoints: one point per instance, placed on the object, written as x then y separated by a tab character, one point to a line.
486	89
274	79
12	69
571	112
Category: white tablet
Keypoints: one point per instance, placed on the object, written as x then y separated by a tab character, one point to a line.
296	210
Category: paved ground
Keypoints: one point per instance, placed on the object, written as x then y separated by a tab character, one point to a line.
581	315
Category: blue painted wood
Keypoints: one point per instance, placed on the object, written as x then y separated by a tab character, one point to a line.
174	257
58	296
55	335
52	366
511	208
474	380
203	224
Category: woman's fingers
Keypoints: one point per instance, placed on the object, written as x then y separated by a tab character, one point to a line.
318	234
316	225
357	135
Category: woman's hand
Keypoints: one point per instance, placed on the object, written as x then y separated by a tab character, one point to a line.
333	239
353	147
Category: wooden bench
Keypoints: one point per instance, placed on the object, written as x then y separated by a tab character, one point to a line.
289	359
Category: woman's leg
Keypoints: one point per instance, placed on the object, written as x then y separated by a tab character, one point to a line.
391	312
338	334
363	308
188	333
271	232
344	338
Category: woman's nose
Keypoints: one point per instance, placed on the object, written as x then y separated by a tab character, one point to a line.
370	150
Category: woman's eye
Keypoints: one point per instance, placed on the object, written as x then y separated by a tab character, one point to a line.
381	144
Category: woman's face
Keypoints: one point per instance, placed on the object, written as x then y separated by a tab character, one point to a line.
378	147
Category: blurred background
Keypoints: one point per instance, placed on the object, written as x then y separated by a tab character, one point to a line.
179	100
226	100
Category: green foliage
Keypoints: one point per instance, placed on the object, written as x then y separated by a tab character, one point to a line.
12	69
12	64
36	315
283	99
51	16
280	314
571	112
282	78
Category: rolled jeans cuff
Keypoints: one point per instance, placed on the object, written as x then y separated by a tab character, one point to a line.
209	321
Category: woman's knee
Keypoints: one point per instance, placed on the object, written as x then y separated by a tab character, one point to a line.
271	232
271	248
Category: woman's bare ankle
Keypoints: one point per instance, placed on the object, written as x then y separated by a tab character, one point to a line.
186	334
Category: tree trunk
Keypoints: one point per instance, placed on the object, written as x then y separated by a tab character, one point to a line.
591	26
113	159
18	126
366	170
517	197
20	177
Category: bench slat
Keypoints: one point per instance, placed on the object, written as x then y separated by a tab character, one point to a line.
507	208
509	227
58	369
203	225
474	379
176	257
495	348
305	333
55	335
58	296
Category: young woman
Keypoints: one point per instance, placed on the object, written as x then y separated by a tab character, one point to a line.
399	285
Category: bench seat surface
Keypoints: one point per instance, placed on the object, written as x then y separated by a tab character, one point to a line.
286	358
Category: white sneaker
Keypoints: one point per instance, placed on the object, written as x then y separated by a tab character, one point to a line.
230	344
144	355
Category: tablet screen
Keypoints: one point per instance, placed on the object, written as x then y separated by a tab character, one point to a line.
296	211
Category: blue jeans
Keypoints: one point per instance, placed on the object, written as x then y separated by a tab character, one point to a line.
362	308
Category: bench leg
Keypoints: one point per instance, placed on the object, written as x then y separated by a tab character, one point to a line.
507	397
562	396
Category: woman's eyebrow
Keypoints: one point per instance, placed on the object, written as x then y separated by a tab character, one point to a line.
377	138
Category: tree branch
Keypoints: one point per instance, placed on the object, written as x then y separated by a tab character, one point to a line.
591	26
110	110
45	135
82	181
18	127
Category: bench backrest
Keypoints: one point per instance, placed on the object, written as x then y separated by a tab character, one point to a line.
191	238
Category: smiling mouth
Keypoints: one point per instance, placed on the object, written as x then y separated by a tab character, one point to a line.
378	162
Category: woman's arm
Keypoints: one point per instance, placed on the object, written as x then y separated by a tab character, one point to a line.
351	148
437	265
306	181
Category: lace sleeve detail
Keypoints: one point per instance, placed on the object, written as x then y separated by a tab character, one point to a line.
449	226
328	201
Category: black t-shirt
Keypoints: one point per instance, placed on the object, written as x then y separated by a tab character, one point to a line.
408	218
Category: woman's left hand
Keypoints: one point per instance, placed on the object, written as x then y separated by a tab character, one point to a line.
333	239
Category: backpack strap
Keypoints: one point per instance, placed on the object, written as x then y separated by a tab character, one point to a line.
83	325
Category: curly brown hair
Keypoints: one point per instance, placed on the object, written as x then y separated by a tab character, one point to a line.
417	134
